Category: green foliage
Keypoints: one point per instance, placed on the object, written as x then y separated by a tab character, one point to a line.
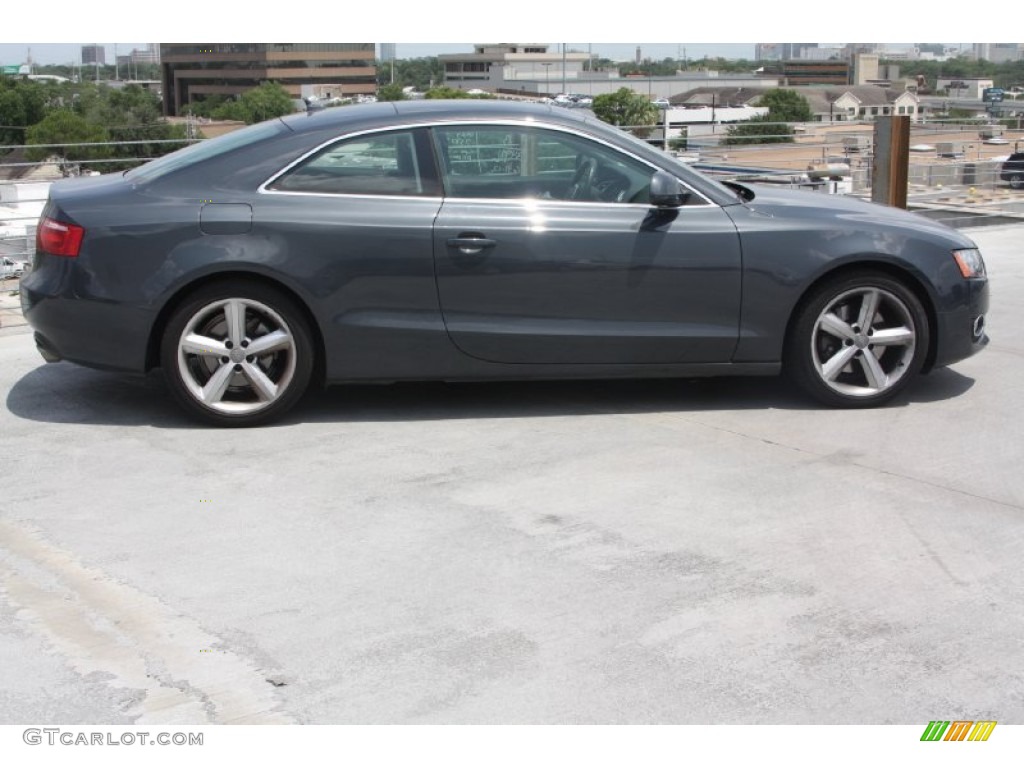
423	73
12	115
265	102
22	103
390	93
454	93
64	126
785	106
669	66
626	108
205	107
84	112
759	130
87	72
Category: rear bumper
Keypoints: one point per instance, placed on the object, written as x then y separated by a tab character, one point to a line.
84	330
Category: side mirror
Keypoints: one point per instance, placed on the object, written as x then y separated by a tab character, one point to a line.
667	191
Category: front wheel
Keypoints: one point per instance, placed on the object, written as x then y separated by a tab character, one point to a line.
1016	181
858	340
237	354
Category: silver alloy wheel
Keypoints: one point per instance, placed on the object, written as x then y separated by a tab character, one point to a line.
863	342
236	356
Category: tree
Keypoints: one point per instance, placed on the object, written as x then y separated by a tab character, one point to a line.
421	73
22	103
390	93
759	130
785	106
12	118
265	102
626	108
65	127
444	92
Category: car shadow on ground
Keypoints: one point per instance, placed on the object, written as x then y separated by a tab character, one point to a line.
62	393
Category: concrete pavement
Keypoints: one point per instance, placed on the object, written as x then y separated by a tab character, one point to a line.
719	551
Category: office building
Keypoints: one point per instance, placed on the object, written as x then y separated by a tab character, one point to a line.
192	71
94	54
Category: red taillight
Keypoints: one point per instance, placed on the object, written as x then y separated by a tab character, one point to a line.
59	238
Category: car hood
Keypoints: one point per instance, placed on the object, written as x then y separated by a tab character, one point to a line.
819	207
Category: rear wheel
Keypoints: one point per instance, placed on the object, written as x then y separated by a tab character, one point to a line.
1016	181
237	354
858	340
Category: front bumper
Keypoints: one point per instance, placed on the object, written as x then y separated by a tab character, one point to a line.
962	332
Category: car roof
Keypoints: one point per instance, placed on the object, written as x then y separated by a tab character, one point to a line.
426	110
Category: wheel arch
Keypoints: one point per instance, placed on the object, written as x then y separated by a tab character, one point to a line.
182	293
895	271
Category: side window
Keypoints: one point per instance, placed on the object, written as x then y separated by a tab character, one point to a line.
522	162
387	163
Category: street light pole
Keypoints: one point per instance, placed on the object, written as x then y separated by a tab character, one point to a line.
547	78
563	68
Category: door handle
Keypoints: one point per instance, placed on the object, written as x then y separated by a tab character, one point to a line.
471	245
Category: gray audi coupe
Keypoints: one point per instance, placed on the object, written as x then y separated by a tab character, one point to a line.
473	240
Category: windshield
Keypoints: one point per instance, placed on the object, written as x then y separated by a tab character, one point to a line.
205	150
704	183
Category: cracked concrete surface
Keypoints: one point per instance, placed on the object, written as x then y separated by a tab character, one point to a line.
717	551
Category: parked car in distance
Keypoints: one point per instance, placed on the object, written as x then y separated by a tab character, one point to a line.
1013	170
483	240
12	267
661	103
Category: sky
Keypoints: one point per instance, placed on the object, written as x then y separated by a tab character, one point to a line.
429	28
58	53
65	53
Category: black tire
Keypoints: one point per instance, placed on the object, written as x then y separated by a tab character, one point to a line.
827	349
1016	181
204	346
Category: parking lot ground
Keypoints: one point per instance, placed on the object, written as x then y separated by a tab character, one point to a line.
716	551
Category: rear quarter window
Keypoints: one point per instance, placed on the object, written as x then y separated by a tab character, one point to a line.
206	150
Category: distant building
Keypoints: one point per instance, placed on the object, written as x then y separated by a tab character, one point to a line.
94	54
195	71
809	72
507	66
387	51
827	103
865	68
822	54
148	55
796	50
997	53
782	51
963	87
860	102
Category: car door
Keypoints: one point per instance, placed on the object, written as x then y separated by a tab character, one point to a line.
355	220
547	251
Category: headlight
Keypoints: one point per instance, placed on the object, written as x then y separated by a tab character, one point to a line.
970	262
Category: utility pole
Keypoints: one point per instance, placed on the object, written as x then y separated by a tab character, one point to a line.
563	68
891	161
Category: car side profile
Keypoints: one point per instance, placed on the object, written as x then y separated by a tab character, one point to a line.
1012	170
482	240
